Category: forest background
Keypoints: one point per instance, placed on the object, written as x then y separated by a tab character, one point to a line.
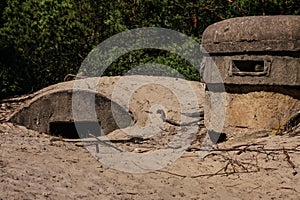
41	41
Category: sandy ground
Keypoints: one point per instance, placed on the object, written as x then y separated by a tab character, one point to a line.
39	166
33	167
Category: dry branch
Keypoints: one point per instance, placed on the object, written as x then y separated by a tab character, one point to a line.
288	158
17	99
105	143
69	77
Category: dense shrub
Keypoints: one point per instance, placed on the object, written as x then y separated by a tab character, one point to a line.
43	40
48	39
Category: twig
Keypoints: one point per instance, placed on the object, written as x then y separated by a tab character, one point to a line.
195	114
172	173
246	145
223	168
135	140
73	76
247	149
181	124
225	173
288	188
105	143
164	118
214	12
17	99
239	167
288	158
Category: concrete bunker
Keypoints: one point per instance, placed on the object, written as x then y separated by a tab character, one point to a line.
50	111
258	58
120	102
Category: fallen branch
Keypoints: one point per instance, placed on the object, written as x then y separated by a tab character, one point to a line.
17	99
183	123
135	140
202	175
214	12
72	76
172	122
233	166
195	114
246	149
105	143
288	158
172	173
224	173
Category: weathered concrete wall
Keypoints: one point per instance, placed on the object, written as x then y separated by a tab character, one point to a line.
253	34
258	58
54	103
56	106
281	70
255	111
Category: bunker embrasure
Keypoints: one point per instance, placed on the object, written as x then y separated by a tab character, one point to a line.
258	58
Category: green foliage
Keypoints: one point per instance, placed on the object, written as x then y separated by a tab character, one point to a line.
51	37
185	16
43	40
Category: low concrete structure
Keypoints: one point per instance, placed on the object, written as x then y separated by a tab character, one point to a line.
50	111
258	59
115	103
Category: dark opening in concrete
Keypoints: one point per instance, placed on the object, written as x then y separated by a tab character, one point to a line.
248	65
69	130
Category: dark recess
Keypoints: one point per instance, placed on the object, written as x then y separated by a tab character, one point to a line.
248	65
69	130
